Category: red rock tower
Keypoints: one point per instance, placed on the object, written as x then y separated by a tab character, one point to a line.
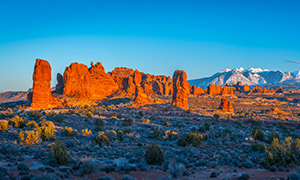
41	90
181	90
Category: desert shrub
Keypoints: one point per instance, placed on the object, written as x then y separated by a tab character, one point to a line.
204	128
46	130
216	116
170	135
154	154
242	114
32	124
89	114
99	123
272	136
190	139
35	115
88	166
60	153
120	135
128	121
258	147
3	125
58	117
102	139
175	170
146	121
257	134
111	134
18	122
141	113
86	132
69	131
155	132
166	123
29	137
254	123
284	154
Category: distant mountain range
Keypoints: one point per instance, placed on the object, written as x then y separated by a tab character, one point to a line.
251	77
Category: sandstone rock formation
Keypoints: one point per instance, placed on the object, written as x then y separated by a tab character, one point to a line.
41	97
181	90
77	81
226	105
83	82
279	90
213	89
102	84
59	88
194	90
140	97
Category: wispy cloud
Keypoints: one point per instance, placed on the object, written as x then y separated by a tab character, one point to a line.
293	61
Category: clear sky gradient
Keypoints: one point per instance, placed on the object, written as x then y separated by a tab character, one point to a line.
155	36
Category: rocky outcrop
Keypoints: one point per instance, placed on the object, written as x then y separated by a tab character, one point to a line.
77	81
59	88
181	89
213	89
83	82
41	97
102	84
261	90
140	97
226	105
194	90
279	90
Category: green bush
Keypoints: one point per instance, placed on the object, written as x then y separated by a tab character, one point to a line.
99	123
35	115
272	136
154	155
190	139
204	128
60	153
216	116
58	117
102	139
120	135
284	154
18	122
3	125
89	114
46	130
258	147
128	121
257	134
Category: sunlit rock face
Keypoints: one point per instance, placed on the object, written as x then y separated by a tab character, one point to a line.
140	97
213	89
226	105
83	82
181	90
41	97
194	90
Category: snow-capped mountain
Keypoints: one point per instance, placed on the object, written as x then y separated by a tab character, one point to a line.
251	76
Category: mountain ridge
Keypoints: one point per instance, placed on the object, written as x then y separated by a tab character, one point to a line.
251	77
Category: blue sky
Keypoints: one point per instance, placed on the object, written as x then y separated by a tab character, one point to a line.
157	36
